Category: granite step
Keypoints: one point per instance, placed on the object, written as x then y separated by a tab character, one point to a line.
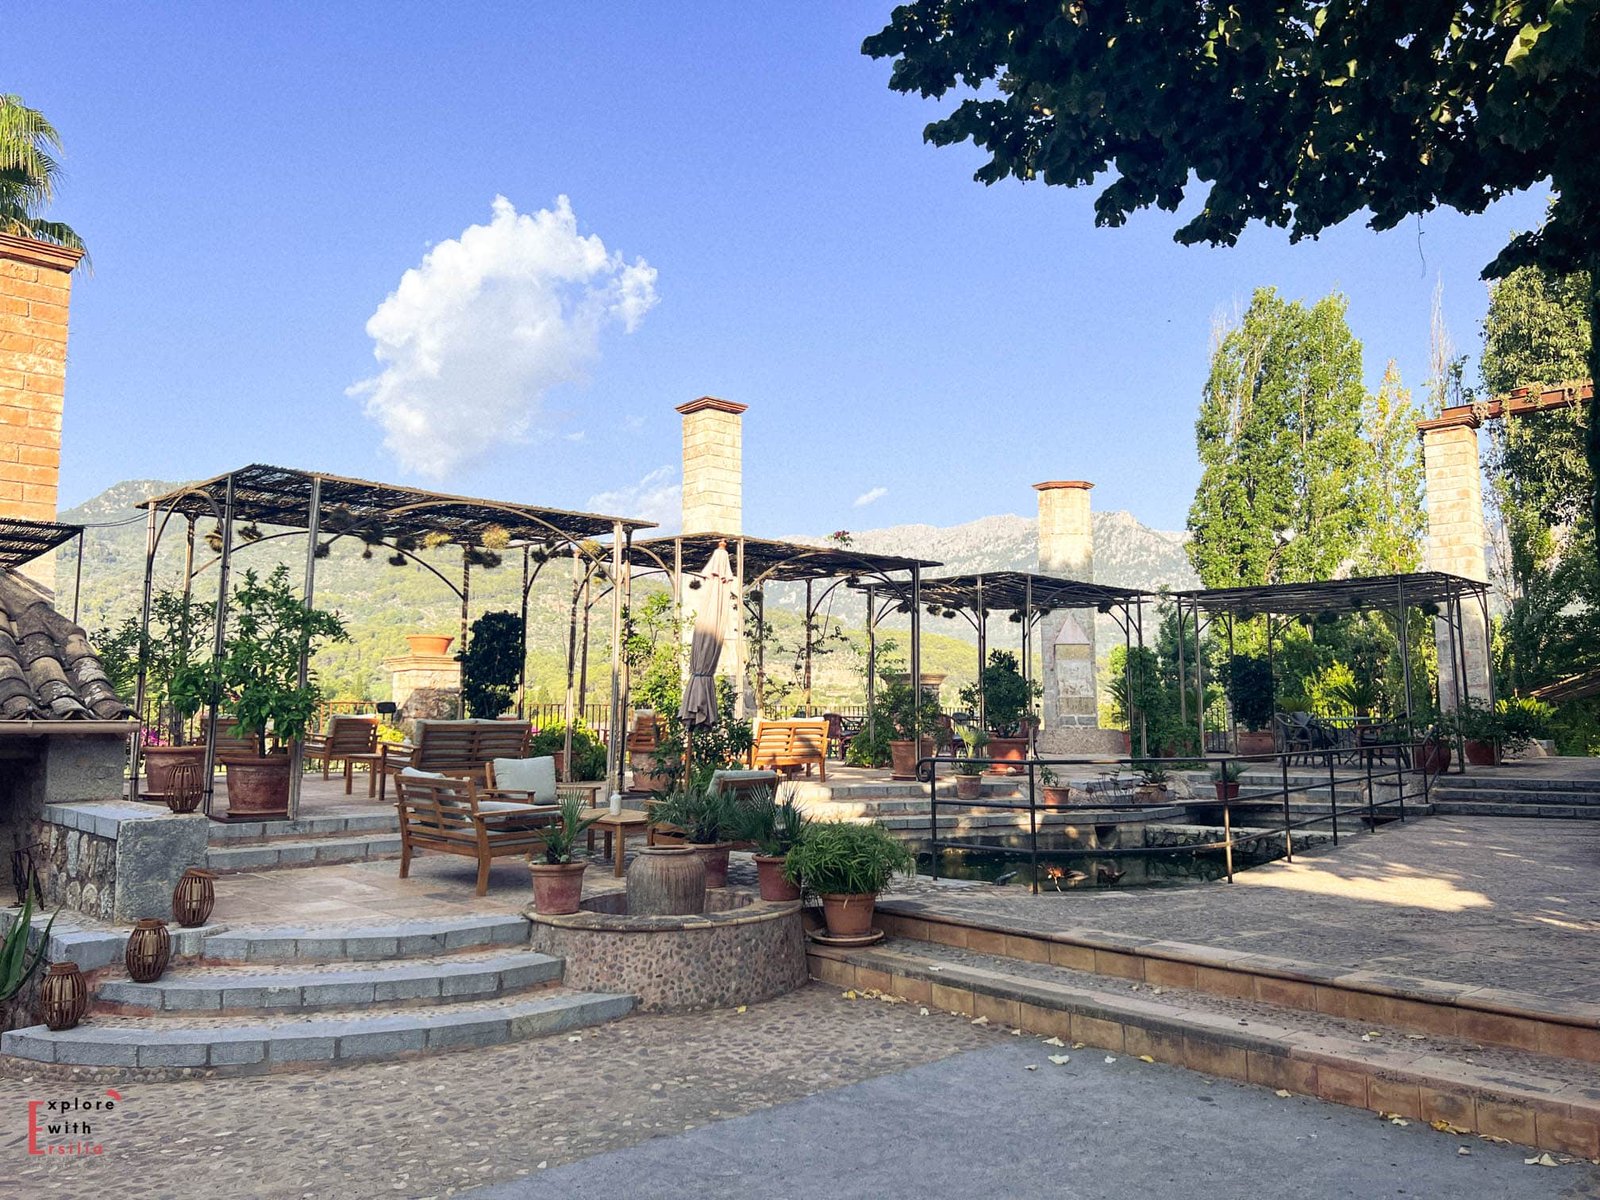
378	820
1504	795
426	981
368	942
227	1046
1499	808
302	852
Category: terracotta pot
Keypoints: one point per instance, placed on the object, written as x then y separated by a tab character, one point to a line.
903	756
1056	796
1430	758
666	881
429	643
149	950
1007	750
1253	741
1482	754
645	776
848	916
714	855
1150	793
63	996
769	871
258	787
194	898
159	761
969	787
1226	791
557	887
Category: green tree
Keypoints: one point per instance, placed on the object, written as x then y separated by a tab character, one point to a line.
29	173
1297	115
1279	441
1389	499
491	663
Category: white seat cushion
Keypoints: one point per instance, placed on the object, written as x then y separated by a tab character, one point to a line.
536	776
413	773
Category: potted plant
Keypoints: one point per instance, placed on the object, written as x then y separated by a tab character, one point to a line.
969	778
776	827
558	880
1152	788
1056	794
258	676
1226	776
1249	690
1007	701
847	865
704	816
171	653
1482	731
911	725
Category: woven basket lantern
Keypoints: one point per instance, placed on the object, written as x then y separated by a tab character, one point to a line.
193	898
149	948
63	996
184	792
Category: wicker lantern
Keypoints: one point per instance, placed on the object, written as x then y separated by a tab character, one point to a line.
184	792
193	898
63	996
149	948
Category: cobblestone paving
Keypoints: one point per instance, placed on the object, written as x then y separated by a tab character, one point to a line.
434	1126
1502	902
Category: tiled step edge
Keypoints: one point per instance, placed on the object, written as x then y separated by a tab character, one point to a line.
1565	1029
1545	1113
245	991
261	1047
301	852
365	943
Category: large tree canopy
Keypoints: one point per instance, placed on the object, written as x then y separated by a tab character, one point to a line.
1296	114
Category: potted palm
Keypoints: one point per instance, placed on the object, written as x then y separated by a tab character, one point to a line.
1226	776
558	880
776	827
1152	788
703	816
1007	700
847	865
969	768
258	676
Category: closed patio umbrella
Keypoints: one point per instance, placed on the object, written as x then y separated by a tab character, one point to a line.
713	629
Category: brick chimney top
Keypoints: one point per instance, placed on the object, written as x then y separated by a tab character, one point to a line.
712	403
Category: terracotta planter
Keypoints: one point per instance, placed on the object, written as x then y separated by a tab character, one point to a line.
1007	750
1226	791
194	897
557	887
969	787
1481	754
714	856
160	760
1056	796
149	950
666	881
1150	793
848	916
769	870
429	643
645	776
63	996
258	788
903	756
1253	741
1430	758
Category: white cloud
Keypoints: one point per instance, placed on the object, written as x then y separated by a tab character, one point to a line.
871	497
657	497
577	435
474	336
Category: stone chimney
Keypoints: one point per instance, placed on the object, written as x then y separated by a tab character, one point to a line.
713	451
35	287
1066	637
1456	536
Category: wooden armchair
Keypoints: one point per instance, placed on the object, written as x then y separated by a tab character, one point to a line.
352	740
453	816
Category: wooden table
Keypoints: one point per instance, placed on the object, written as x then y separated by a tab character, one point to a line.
618	827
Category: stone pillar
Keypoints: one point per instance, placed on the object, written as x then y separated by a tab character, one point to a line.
1456	538
1066	637
429	669
35	287
713	448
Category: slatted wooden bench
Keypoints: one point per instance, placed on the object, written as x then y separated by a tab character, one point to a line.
791	744
452	816
461	748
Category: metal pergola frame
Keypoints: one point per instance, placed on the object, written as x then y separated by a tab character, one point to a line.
398	519
22	541
759	561
1035	596
1397	594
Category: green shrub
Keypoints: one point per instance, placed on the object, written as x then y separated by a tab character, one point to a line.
588	751
847	859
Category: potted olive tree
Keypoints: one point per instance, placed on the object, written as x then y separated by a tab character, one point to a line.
258	677
1007	699
558	880
704	817
776	827
847	865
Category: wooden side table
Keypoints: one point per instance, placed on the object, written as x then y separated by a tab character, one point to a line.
616	828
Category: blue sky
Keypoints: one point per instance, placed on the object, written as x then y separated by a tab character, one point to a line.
253	181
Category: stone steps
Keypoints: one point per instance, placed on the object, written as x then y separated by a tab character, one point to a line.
229	1046
379	820
294	989
302	852
366	943
1494	808
1540	1100
1518	796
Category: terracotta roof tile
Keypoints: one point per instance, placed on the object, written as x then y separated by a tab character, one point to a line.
48	672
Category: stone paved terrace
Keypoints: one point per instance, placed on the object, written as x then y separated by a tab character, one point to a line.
1504	903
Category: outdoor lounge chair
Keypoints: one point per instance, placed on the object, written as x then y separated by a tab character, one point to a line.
790	745
461	748
352	740
454	816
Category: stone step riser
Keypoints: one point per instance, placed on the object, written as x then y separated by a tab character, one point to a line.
1487	796
256	1048
235	832
314	852
1547	812
411	939
285	992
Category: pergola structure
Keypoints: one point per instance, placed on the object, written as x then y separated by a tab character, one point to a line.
1030	598
401	521
759	561
1439	591
23	541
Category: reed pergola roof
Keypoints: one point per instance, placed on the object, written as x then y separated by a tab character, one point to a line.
1013	591
23	541
767	561
1362	593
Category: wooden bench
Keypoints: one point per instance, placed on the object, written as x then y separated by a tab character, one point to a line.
790	745
350	739
453	816
461	748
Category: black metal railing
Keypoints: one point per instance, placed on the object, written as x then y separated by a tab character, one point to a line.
1387	766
